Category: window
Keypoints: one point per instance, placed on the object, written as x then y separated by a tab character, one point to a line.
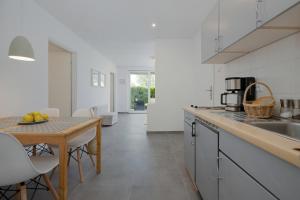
142	90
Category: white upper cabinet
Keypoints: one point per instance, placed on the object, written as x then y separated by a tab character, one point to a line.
210	34
237	18
268	9
237	27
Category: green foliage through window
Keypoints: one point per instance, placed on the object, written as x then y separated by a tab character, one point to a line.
139	95
152	92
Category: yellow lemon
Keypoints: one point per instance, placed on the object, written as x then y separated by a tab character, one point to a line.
28	118
38	118
45	116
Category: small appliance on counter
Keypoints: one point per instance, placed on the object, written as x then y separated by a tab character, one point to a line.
236	86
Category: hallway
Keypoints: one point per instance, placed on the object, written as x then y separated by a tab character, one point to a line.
136	166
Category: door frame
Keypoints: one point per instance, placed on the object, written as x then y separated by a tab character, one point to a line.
148	72
73	71
112	94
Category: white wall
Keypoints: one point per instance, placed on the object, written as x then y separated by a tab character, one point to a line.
24	86
278	65
181	80
122	82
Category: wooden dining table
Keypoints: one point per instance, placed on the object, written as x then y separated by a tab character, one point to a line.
57	131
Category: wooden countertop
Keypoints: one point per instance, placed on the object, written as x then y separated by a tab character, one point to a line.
272	142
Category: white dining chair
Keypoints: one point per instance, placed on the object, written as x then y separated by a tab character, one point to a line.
16	166
79	144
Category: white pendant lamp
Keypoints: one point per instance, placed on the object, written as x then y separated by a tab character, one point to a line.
20	48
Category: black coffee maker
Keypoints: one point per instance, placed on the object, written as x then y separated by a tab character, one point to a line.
235	87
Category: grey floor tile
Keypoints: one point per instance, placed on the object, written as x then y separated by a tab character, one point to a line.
158	193
135	166
103	192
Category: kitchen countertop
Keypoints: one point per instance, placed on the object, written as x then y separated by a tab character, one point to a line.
280	146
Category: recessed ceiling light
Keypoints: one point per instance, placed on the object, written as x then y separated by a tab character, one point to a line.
153	25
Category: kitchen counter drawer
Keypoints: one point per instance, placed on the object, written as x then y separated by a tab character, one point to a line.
276	175
235	184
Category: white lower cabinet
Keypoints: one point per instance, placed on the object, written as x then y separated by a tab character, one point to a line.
236	184
229	168
206	161
189	150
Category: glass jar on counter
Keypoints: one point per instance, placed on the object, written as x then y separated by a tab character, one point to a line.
287	108
296	109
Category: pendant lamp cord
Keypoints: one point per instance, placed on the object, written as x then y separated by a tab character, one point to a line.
21	16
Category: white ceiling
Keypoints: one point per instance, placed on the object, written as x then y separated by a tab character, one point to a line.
121	29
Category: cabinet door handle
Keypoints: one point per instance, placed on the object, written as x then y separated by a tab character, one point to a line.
218	168
193	129
216	45
220	47
259	13
219	176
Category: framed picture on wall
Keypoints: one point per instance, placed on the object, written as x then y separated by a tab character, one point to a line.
102	80
95	78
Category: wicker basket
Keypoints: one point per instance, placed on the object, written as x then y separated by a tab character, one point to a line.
259	110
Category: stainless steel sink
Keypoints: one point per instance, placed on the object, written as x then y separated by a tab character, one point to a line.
289	129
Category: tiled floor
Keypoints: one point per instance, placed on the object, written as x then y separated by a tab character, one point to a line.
136	166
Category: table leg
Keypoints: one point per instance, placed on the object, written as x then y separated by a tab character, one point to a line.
22	194
63	170
98	155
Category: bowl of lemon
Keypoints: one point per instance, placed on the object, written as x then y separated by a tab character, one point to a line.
34	118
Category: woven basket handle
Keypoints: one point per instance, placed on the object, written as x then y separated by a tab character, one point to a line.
260	83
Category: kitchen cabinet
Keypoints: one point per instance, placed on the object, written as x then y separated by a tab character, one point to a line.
278	176
210	34
235	184
189	145
237	19
235	28
206	160
268	9
230	168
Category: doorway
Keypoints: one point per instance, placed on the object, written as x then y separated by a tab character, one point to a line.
112	92
142	90
60	79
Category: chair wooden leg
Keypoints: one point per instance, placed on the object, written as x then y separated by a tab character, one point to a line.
69	156
90	155
79	165
34	150
51	150
50	186
23	192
